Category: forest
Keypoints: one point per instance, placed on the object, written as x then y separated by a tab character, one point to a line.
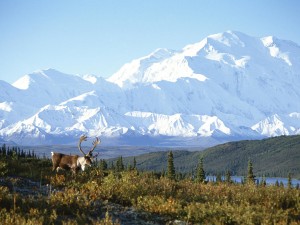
272	157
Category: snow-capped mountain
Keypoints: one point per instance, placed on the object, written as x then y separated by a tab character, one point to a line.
228	86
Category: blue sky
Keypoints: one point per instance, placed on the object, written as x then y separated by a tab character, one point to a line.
99	36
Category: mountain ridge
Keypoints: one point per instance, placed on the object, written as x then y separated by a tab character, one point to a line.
229	86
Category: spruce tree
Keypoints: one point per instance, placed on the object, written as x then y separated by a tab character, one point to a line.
200	176
134	163
163	173
250	174
103	164
228	177
219	178
289	184
119	165
281	184
263	181
171	168
112	166
4	150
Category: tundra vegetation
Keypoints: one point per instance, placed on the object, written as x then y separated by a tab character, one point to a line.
92	195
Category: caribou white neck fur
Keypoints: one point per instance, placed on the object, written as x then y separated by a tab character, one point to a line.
82	162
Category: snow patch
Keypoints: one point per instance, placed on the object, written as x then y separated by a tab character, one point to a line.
90	78
6	106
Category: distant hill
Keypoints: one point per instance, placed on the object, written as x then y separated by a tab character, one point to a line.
270	157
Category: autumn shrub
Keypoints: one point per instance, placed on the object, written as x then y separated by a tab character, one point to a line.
158	204
82	199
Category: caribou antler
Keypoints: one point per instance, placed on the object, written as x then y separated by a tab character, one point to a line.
95	143
81	139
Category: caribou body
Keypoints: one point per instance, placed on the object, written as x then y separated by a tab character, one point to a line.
74	162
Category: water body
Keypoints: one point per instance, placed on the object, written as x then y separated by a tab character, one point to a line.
269	180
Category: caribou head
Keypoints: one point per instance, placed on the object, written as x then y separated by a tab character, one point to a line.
75	162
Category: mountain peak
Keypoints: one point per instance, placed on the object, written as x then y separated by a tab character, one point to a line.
46	77
168	65
26	81
229	38
134	72
226	87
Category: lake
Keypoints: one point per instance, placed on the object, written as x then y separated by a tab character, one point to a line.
269	180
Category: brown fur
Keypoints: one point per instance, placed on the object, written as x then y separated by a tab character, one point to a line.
67	162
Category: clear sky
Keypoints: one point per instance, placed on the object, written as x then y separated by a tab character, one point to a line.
99	36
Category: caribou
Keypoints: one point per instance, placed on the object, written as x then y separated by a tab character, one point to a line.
74	162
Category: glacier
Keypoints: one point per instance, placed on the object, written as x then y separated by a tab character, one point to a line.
228	86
